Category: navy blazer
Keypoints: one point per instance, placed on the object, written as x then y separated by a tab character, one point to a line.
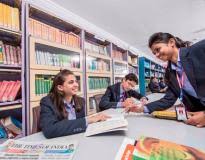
193	63
53	124
112	96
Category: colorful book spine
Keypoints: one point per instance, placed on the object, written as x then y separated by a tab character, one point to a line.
14	93
8	91
1	52
44	31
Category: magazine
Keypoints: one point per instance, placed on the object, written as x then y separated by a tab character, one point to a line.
147	148
115	123
15	149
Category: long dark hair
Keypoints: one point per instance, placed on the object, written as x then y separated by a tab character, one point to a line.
161	37
57	96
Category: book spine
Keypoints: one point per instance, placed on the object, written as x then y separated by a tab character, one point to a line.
3	89
15	91
1	14
8	91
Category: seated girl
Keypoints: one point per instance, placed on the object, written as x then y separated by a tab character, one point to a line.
62	111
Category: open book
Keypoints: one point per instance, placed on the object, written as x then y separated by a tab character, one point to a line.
115	123
153	148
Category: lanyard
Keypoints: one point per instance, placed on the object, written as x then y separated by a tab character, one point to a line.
181	84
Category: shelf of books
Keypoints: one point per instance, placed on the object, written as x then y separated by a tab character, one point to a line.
98	67
133	65
12	123
97	84
148	69
120	64
53	45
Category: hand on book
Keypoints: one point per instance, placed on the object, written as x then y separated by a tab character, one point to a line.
196	119
129	102
97	118
143	101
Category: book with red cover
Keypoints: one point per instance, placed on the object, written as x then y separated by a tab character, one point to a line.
14	93
8	91
3	88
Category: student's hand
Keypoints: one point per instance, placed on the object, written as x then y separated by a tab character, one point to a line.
196	119
143	101
97	118
137	109
128	103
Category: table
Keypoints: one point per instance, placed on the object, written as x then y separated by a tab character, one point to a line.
105	146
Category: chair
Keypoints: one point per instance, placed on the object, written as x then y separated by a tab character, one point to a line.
36	120
97	101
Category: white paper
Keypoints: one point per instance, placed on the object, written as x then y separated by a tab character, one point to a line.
112	124
15	150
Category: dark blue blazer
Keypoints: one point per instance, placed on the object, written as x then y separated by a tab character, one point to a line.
193	63
112	96
53	124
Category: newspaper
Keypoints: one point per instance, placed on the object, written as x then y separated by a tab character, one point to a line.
20	150
116	123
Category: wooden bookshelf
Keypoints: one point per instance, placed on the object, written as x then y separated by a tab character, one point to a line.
33	96
10	107
11	70
57	54
98	65
33	65
11	32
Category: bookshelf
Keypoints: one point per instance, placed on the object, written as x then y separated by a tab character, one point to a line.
53	45
148	69
12	93
133	65
98	68
119	61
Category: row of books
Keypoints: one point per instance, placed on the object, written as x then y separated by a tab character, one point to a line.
133	70
44	31
43	84
9	90
120	69
57	59
132	60
117	55
10	54
9	17
118	79
10	127
98	83
98	65
96	48
156	149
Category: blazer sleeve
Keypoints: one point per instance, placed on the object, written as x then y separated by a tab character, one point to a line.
166	102
53	127
135	94
105	102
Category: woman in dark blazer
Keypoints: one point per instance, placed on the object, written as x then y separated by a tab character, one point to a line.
185	75
62	111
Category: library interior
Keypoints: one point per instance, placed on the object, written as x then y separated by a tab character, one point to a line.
102	80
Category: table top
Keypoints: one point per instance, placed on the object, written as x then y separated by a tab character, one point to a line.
105	146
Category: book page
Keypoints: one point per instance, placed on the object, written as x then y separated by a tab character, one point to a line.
113	124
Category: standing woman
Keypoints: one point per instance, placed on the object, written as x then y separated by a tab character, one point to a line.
185	76
62	111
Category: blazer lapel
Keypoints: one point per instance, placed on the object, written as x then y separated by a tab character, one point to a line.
117	92
188	67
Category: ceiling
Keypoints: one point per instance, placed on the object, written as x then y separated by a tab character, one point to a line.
133	21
